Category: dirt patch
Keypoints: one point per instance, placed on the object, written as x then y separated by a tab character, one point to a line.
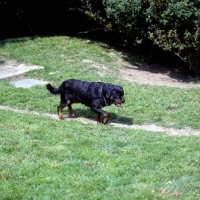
152	128
157	75
148	74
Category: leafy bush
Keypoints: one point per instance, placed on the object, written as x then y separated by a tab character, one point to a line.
172	25
126	18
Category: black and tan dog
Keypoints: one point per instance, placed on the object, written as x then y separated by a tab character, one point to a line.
95	95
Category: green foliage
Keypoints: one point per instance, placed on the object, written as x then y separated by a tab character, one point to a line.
172	25
126	18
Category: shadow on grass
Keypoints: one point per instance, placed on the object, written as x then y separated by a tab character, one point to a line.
89	116
16	40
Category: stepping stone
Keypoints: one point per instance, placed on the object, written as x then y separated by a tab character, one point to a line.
8	71
27	83
12	69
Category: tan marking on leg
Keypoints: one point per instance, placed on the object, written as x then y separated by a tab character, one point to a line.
71	111
59	109
106	118
98	118
69	104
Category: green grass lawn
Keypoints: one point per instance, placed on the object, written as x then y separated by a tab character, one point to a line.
43	158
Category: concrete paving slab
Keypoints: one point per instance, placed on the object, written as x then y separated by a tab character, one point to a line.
15	71
8	71
27	83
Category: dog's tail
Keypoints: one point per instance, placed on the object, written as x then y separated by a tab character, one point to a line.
53	90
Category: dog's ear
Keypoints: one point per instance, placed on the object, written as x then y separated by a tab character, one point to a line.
122	91
107	90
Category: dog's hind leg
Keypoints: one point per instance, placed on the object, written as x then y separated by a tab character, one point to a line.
69	104
71	111
63	102
59	109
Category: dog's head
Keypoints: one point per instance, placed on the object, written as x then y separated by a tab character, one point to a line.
115	94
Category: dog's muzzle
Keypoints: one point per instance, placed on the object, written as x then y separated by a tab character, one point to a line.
118	103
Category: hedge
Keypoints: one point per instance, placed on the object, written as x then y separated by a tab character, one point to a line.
173	25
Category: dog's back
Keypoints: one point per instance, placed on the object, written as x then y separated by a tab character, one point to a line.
76	87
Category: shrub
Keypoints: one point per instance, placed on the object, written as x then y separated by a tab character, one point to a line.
173	25
126	18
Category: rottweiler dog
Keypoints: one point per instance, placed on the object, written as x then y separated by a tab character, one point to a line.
95	95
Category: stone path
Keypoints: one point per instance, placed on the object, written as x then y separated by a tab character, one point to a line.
152	127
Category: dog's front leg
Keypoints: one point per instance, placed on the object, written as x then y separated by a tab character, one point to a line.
96	107
98	118
105	115
98	111
106	118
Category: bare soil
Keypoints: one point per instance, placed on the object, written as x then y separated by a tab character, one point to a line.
157	75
